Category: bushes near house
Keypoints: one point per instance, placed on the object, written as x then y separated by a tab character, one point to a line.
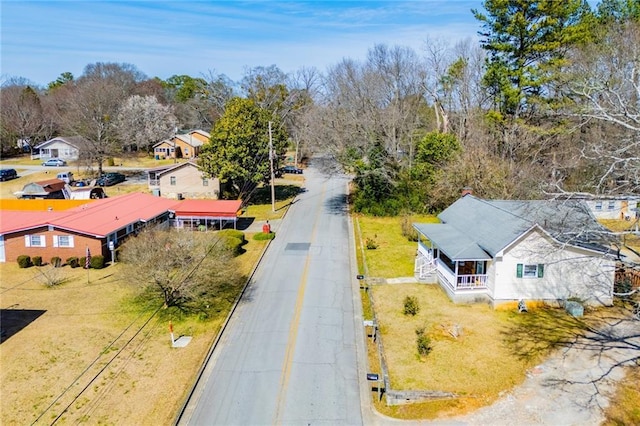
408	230
73	262
371	244
411	305
233	240
234	233
37	260
24	261
97	262
56	262
423	342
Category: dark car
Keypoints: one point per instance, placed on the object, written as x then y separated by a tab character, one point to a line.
8	174
292	169
109	179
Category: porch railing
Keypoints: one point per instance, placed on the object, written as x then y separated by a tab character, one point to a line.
461	282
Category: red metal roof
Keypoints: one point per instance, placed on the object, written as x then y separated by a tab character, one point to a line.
18	220
102	217
208	208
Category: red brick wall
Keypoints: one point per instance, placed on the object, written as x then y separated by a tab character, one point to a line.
14	246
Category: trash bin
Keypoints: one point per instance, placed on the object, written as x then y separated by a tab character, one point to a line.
157	157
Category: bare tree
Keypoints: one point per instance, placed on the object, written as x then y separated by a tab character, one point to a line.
21	114
604	82
183	269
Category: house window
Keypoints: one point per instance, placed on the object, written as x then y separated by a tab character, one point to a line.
63	241
205	182
129	228
172	180
612	205
530	270
34	241
598	205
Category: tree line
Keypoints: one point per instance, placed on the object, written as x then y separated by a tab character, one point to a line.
546	103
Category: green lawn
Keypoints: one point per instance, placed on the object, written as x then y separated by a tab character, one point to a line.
395	254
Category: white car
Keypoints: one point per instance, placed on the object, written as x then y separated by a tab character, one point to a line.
56	162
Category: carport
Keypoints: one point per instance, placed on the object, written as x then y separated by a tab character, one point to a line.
205	214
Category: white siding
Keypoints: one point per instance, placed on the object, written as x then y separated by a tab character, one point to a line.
568	272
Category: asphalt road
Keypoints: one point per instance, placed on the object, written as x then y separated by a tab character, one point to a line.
288	354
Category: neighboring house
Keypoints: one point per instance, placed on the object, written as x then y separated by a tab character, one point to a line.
60	190
183	180
69	233
504	251
187	145
96	224
66	148
206	214
619	207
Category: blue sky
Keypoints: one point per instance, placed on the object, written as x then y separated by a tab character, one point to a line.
42	39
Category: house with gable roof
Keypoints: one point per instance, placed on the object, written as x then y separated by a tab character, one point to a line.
185	145
504	251
182	180
66	148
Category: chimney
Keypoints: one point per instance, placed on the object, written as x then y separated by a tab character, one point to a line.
466	191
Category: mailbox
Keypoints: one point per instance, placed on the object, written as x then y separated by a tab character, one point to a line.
360	277
373	377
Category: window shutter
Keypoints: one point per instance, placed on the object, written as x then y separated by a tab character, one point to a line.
540	270
519	270
27	240
55	241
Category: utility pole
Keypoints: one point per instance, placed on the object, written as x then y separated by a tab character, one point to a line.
273	188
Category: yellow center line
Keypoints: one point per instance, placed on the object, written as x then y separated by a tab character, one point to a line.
293	329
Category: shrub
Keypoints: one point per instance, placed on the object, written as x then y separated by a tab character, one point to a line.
56	262
231	243
234	233
37	260
24	261
371	244
97	261
411	305
82	261
262	236
111	161
423	342
408	230
73	262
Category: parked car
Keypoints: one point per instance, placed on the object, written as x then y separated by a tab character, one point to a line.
8	174
292	169
66	176
55	162
109	179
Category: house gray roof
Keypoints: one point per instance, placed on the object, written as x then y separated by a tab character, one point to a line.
473	228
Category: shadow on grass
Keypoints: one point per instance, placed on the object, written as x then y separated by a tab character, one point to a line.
536	333
14	320
282	192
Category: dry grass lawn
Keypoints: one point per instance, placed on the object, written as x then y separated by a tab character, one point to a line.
93	341
477	365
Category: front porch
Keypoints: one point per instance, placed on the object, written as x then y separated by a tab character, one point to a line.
455	276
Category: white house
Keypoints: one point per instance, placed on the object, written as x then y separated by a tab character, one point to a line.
66	148
617	207
504	251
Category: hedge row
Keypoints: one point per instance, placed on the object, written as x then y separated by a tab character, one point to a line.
97	262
